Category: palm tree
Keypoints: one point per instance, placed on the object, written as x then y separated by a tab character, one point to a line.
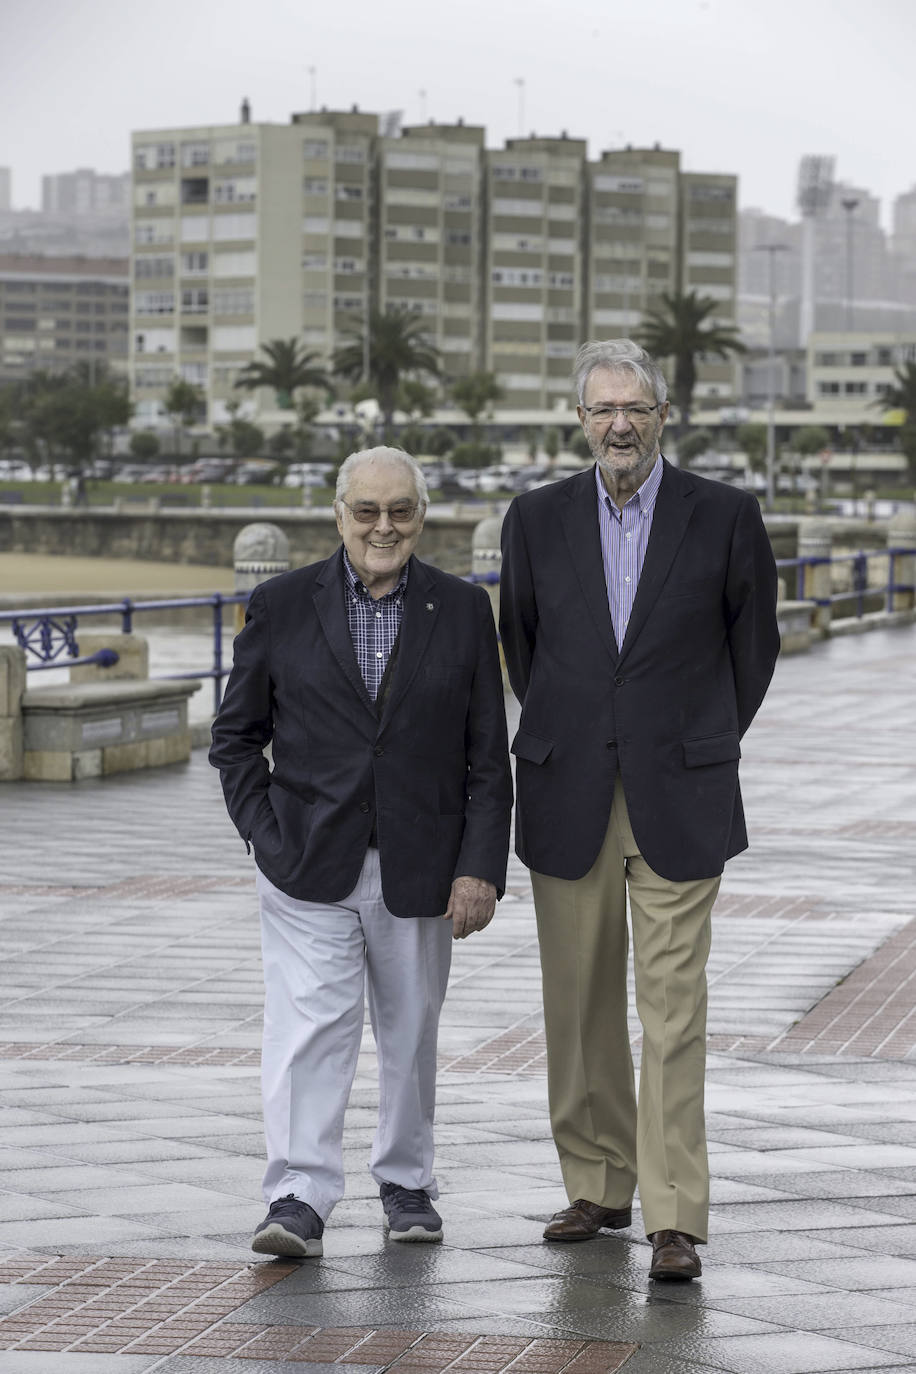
901	395
398	347
676	330
287	370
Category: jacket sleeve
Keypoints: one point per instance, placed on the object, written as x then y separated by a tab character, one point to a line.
244	724
484	849
518	615
750	609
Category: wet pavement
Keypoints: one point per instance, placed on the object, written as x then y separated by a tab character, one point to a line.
130	1141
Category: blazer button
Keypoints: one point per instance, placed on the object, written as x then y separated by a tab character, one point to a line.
379	751
611	744
364	806
619	681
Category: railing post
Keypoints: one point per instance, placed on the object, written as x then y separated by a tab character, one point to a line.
217	651
815	539
260	551
901	575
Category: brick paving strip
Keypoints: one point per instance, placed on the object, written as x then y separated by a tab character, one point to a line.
162	1307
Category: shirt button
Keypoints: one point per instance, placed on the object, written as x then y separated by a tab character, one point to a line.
364	806
626	579
378	614
379	654
629	534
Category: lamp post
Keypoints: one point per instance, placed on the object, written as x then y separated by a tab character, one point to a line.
520	82
771	249
849	204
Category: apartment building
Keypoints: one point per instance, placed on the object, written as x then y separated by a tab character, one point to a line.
249	232
709	266
85	192
847	372
58	311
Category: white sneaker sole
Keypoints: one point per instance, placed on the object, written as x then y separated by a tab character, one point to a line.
276	1240
416	1233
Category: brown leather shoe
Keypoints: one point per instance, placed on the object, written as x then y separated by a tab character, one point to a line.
674	1256
582	1220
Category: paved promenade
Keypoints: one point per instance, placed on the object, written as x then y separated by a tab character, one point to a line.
130	1141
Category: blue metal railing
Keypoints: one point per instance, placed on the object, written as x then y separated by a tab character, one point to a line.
859	587
49	633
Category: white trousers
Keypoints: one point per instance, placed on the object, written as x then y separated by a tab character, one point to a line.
319	960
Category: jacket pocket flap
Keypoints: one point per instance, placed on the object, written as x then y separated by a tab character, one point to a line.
530	748
714	749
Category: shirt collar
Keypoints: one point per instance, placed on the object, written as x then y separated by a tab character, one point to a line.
644	496
357	587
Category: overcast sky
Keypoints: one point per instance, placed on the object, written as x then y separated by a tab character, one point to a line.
736	85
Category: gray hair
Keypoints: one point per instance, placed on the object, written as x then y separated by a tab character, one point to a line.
395	455
620	355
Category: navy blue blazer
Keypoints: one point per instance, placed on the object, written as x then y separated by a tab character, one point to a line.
668	706
431	770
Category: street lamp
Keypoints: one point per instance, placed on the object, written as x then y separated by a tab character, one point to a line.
520	82
849	204
771	249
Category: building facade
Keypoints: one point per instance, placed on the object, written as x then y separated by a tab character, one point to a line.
251	232
55	312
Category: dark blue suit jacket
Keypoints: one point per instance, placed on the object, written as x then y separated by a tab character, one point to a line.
431	770
668	706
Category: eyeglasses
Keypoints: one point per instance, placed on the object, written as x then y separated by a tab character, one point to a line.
366	512
606	414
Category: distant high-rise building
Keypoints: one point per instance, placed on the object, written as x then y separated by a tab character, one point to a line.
57	311
85	192
6	189
250	232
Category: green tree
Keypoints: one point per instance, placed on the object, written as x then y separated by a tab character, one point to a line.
753	439
289	368
552	442
901	395
184	403
418	401
474	394
681	329
692	444
144	444
398	349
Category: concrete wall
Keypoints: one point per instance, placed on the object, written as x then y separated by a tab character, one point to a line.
207	536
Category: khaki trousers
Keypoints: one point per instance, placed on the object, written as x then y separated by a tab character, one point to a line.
606	1143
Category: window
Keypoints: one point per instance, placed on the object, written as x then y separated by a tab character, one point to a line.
315	300
349	152
195	154
315	262
826	359
194	264
347	191
195	300
234	264
161	193
195	373
855	388
235	190
233	300
194	229
240	338
456	202
513	310
503	206
155	303
232	150
234	226
315	186
561	246
195	191
561	279
348	228
155	341
712	193
316	224
153	267
148	377
631	186
413	162
858	359
457	236
348	303
828	388
315	150
409	195
154	156
419	271
516	276
150	231
711	259
349	265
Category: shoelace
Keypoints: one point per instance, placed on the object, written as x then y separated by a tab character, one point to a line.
286	1206
409	1199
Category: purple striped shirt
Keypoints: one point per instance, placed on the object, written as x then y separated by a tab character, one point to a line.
374	625
624	538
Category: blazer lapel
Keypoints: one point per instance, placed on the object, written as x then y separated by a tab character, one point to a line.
328	599
673	509
421	611
580	526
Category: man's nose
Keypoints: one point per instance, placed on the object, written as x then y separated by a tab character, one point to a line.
383	523
621	421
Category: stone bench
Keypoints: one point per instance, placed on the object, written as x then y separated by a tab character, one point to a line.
93	729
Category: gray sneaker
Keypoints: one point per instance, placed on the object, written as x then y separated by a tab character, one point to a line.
291	1227
409	1214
